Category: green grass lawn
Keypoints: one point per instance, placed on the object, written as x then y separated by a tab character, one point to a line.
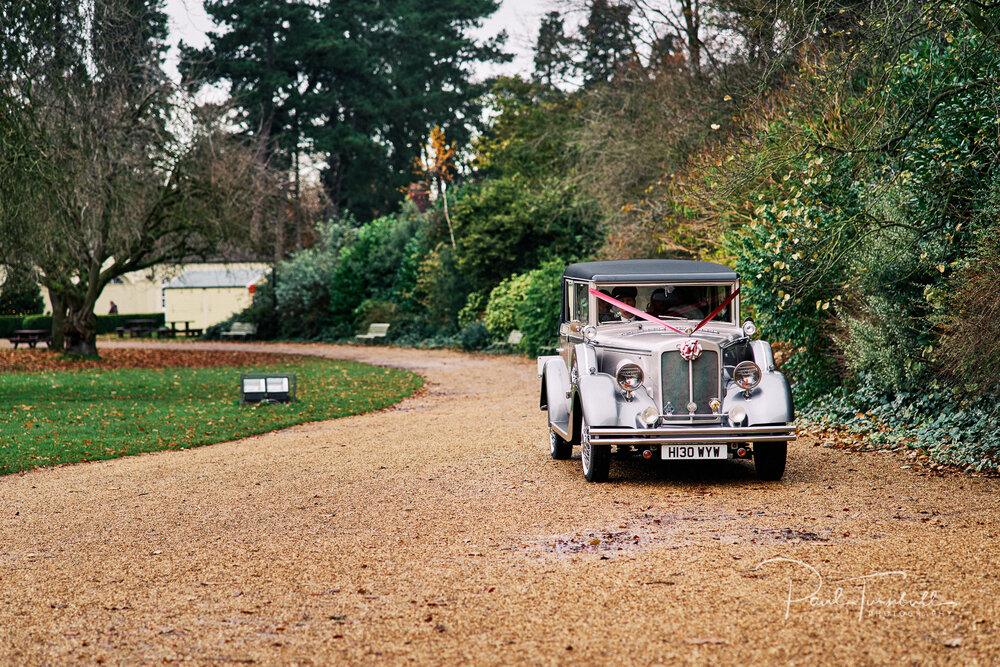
54	417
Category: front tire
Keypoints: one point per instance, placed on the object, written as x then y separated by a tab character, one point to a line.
559	449
596	459
769	460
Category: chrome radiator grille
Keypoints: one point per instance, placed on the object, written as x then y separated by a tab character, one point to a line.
685	381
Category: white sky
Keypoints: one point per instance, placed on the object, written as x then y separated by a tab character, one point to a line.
189	23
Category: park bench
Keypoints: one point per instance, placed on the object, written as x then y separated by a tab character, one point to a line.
241	330
375	330
31	337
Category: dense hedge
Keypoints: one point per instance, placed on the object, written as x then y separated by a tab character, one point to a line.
9	324
37	322
108	323
105	323
529	303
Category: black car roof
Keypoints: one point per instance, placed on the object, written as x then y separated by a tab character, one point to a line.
628	270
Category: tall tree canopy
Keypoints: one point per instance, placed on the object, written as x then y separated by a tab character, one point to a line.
356	84
608	40
553	55
94	180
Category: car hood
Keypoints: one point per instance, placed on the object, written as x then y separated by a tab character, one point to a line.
651	337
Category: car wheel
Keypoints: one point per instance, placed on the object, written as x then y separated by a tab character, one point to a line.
559	449
596	458
769	460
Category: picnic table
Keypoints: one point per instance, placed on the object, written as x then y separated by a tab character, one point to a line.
31	337
138	328
188	331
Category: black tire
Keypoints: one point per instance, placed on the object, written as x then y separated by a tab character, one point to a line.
769	460
596	459
559	449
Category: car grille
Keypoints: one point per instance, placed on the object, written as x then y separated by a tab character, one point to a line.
702	387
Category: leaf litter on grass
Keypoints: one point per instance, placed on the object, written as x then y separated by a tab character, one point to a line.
59	410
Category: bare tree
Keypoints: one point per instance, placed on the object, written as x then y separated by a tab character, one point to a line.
99	176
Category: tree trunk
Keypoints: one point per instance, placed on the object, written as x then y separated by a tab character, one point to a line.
58	320
81	328
692	28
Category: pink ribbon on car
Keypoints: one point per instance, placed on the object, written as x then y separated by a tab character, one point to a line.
635	311
655	320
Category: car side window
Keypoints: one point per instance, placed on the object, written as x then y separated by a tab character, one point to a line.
567	304
581	303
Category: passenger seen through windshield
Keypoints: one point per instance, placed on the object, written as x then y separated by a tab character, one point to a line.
686	302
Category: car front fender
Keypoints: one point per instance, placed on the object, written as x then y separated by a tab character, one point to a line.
604	404
770	402
555	390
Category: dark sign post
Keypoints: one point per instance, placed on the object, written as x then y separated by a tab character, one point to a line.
267	387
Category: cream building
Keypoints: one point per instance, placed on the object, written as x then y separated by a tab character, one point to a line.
201	298
200	294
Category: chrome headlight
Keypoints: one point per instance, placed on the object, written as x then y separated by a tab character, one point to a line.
629	376
589	333
749	328
746	375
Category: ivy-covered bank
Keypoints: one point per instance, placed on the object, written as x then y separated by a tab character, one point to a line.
876	261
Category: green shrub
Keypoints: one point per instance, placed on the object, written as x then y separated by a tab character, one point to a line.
9	324
500	315
379	264
411	330
106	324
475	336
37	322
538	311
528	303
508	225
473	309
440	290
109	323
301	296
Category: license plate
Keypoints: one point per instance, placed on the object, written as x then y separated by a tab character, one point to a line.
694	452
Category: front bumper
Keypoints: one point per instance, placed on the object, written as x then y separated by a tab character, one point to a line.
681	435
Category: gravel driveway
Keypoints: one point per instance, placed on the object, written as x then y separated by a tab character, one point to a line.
439	531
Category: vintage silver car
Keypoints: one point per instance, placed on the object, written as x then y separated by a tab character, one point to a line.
653	359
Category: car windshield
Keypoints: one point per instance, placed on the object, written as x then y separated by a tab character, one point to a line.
666	302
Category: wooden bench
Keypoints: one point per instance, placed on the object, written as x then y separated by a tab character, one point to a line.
241	330
31	337
375	330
